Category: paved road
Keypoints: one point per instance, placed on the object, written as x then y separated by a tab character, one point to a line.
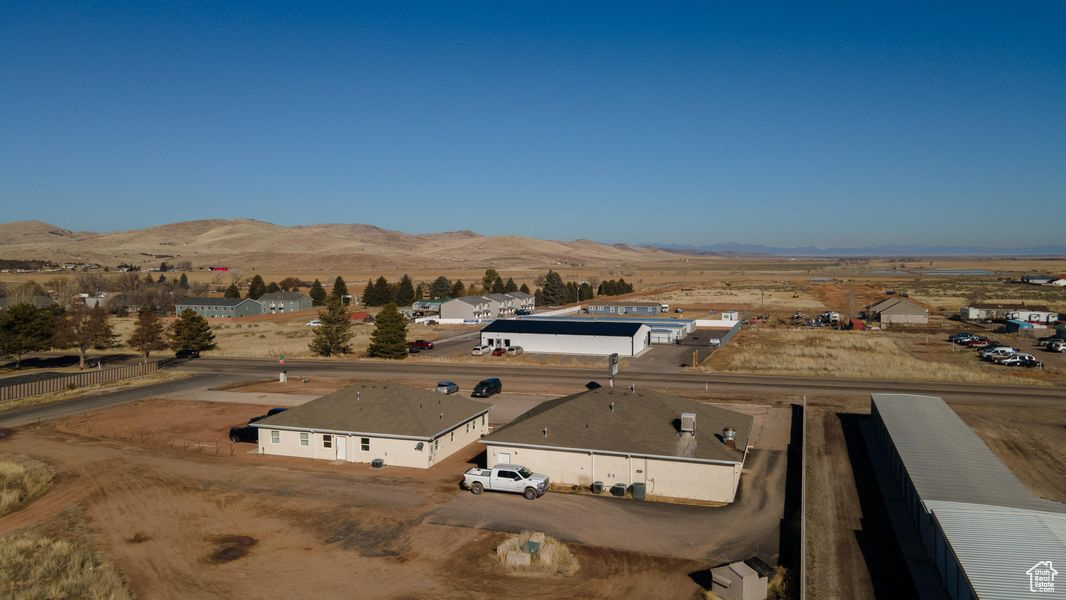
1050	395
106	399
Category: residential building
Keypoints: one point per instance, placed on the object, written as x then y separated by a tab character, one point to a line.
219	308
524	303
579	336
471	308
402	426
1039	279
675	447
503	305
625	308
982	311
898	310
284	302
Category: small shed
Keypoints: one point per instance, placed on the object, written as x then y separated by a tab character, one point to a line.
741	580
1017	326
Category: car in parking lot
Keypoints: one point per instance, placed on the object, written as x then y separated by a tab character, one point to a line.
269	413
499	351
481	350
514	351
314	323
960	337
1021	360
247	434
421	344
998	352
487	387
187	353
447	387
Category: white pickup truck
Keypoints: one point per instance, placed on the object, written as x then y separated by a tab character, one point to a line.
506	478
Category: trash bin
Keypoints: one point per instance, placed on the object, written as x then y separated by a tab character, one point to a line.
377	463
597	487
618	489
639	491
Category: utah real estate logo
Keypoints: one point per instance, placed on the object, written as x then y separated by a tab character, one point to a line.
1042	577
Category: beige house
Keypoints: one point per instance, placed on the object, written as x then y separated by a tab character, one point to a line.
402	426
677	448
899	310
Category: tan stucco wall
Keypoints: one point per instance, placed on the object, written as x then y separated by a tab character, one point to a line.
668	478
395	452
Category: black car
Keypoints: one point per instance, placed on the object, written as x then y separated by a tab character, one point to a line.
187	353
244	434
487	387
270	413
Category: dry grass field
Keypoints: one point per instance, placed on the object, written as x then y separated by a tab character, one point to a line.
772	297
868	355
21	480
42	568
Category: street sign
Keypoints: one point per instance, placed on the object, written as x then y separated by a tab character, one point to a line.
612	365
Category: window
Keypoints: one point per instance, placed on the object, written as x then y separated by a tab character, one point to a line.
327	440
468	426
305	439
364	444
452	439
275	436
436	444
483	417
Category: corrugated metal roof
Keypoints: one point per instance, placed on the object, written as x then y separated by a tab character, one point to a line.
653	322
996	546
946	459
581	327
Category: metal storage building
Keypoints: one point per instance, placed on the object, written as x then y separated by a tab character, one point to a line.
579	336
663	330
968	508
625	308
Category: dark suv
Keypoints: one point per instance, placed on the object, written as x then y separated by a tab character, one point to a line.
487	387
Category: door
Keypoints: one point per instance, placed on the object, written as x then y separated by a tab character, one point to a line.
503	458
342	446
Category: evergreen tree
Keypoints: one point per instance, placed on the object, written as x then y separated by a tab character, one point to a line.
584	292
340	289
148	333
257	287
554	292
420	292
83	328
291	284
382	292
232	291
538	297
25	328
524	288
405	292
273	287
183	281
317	293
571	292
190	331
490	276
334	336
458	289
497	285
510	286
368	294
389	339
441	288
162	278
148	280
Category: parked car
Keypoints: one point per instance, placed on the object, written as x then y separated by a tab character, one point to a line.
1057	346
447	387
421	344
481	350
679	310
998	352
187	353
269	413
314	323
960	336
506	478
487	387
514	350
244	434
976	343
1021	360
499	351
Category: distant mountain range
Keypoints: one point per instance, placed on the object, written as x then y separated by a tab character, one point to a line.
735	249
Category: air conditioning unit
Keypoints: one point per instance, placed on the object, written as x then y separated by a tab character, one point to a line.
688	422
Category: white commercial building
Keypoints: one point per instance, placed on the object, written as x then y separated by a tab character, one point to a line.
402	426
598	338
673	447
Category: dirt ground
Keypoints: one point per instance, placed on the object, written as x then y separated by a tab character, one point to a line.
157	488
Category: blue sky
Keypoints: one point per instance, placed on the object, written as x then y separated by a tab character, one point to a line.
787	124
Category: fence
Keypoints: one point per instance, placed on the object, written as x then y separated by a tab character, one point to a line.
77	380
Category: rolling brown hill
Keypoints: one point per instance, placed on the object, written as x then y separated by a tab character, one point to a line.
251	244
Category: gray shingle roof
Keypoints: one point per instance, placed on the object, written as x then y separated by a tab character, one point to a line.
645	423
282	297
520	295
945	458
211	301
385	410
474	300
501	297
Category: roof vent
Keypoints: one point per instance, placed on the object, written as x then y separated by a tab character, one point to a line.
545	432
729	438
442	416
611	405
688	422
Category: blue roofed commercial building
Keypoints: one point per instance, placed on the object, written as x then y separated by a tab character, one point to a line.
219	308
597	338
986	535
